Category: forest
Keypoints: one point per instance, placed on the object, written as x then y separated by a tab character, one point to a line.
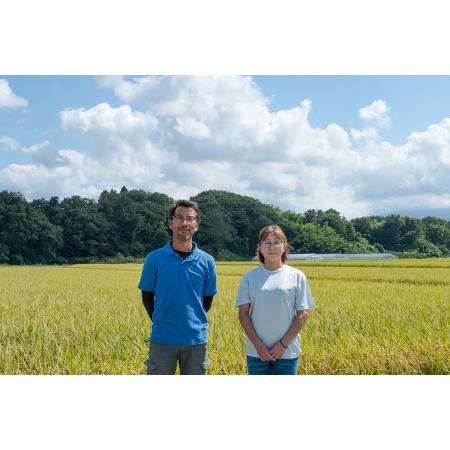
124	226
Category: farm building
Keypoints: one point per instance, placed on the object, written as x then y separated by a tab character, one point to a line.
325	256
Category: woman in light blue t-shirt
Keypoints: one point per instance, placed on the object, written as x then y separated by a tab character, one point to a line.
273	302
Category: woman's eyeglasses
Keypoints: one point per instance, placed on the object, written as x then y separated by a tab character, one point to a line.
274	244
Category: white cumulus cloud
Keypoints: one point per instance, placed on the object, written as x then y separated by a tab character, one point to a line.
7	97
183	135
9	143
376	114
190	127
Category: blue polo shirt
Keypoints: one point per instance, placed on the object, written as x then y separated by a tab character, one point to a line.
179	317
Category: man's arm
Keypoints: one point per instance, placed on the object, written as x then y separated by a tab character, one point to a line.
148	299
249	328
279	347
207	302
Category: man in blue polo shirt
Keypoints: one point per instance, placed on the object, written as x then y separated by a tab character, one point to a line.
178	283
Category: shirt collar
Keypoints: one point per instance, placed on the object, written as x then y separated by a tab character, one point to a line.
193	255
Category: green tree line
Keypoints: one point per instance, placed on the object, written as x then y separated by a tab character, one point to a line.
128	224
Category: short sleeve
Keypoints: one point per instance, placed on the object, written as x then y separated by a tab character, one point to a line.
243	295
304	298
210	285
148	275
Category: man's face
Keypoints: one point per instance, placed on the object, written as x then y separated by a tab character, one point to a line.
183	223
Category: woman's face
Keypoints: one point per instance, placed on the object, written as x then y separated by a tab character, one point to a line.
272	248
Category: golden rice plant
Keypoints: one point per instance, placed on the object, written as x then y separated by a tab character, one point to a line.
372	317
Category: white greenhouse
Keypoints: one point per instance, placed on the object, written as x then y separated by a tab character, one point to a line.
326	256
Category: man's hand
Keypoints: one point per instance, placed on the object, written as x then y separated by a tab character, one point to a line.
148	299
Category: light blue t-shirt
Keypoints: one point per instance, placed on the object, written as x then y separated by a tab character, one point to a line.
275	296
179	317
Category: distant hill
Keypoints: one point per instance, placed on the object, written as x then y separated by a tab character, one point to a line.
128	224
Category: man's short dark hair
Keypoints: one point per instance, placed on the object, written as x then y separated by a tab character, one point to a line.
186	204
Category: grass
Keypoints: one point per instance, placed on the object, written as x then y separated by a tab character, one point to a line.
372	317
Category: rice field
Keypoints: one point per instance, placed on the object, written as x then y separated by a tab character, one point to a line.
372	317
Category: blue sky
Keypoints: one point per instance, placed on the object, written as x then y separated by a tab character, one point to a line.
359	144
415	101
